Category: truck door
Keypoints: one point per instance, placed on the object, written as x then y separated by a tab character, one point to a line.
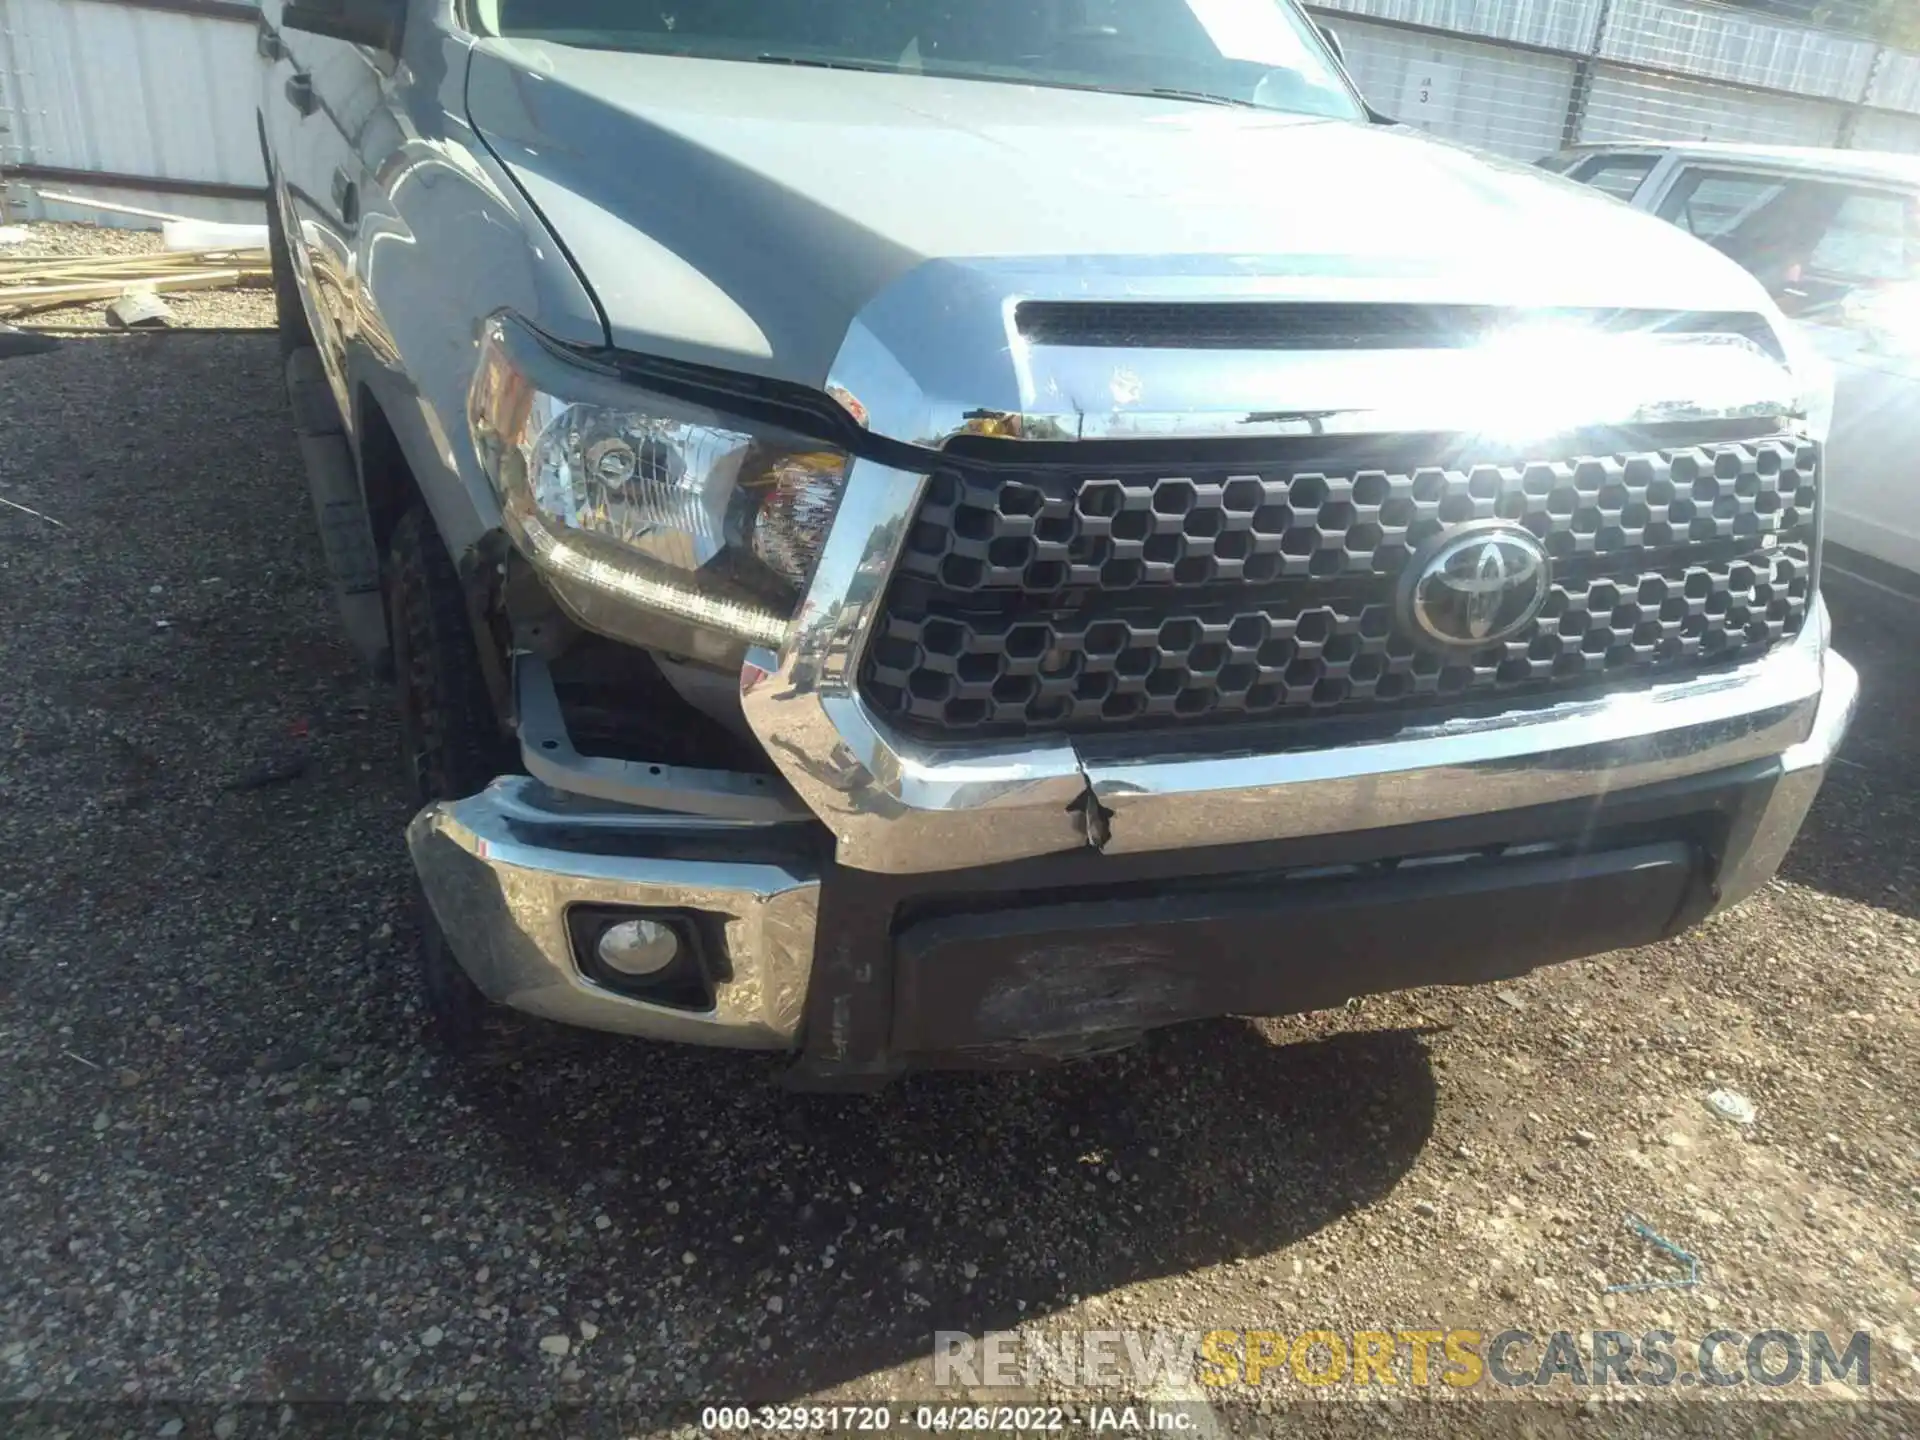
317	95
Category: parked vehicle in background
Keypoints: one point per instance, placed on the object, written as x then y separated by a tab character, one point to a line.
1834	235
900	546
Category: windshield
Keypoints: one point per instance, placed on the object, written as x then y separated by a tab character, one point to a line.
1259	53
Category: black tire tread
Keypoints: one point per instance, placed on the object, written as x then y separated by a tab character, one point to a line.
454	743
453	746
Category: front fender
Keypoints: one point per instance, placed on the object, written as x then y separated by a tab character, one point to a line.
444	240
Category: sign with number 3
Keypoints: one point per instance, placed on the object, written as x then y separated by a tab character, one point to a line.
1427	96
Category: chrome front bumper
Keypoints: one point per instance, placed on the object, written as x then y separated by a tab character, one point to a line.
501	868
1766	827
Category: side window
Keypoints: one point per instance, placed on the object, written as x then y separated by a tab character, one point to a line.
1711	205
1811	242
1618	175
1868	239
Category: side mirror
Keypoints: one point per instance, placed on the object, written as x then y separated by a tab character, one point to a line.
1333	43
373	23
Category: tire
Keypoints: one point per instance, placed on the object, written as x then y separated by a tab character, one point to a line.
289	313
452	745
463	1022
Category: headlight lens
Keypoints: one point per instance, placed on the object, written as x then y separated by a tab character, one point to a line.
639	506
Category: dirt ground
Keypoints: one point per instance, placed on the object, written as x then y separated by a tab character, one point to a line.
232	1172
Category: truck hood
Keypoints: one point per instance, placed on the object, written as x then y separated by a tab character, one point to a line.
751	215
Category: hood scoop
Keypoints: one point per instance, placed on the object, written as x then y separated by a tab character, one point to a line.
1269	325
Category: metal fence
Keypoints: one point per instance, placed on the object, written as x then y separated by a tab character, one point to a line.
157	96
1527	77
141	102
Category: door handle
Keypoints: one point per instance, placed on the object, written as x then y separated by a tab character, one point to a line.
346	198
300	92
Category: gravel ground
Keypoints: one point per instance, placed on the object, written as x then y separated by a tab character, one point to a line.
230	1170
249	308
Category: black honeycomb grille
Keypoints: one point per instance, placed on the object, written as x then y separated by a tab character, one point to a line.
1050	598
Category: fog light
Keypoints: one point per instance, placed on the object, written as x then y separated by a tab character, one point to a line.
664	957
638	947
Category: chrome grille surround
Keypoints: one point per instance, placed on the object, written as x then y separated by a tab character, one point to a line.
901	803
1074	595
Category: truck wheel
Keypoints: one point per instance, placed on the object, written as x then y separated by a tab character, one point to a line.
452	744
289	314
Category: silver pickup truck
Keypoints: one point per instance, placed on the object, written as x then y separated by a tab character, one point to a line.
955	532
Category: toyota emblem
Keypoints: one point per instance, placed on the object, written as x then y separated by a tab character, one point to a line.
1475	584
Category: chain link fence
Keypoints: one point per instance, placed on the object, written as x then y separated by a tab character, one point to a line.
1525	78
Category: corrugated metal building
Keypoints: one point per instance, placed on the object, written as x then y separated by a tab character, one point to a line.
1525	77
159	93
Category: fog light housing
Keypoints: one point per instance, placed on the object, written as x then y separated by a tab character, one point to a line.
637	947
659	956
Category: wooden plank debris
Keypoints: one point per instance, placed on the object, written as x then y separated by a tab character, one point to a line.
43	283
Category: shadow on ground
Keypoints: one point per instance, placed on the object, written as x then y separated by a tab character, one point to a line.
1862	839
252	1178
953	1201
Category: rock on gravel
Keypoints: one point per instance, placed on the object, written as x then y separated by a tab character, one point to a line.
1731	1105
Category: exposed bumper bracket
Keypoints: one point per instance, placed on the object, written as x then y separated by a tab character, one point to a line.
548	752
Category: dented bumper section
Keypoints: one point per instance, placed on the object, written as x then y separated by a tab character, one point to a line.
505	870
868	971
1087	947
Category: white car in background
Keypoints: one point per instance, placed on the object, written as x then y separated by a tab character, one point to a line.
1835	236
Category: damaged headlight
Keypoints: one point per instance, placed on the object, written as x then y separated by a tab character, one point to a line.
654	519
